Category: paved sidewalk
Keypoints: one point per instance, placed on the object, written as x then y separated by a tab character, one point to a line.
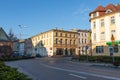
97	64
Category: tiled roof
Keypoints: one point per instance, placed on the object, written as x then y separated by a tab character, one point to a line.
113	8
99	8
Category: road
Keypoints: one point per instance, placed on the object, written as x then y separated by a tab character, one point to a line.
63	69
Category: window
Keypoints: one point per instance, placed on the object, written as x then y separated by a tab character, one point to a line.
74	42
94	15
82	40
56	34
60	34
74	35
102	35
60	41
94	36
94	24
112	20
70	42
65	41
70	35
102	22
66	35
56	41
116	48
99	49
85	34
85	41
79	40
82	34
108	11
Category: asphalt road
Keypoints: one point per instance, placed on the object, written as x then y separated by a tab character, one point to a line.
63	69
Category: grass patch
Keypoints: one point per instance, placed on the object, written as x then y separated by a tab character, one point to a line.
8	73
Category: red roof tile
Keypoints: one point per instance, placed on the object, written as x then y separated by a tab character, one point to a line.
99	8
113	8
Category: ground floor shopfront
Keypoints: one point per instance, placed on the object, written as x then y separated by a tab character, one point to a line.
104	49
65	51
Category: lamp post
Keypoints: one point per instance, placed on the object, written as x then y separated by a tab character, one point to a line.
21	27
87	51
113	40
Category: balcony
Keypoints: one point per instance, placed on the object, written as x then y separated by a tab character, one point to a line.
64	45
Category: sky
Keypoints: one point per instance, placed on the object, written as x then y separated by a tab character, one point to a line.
31	17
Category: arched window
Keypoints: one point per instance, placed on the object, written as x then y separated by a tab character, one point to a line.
65	41
56	41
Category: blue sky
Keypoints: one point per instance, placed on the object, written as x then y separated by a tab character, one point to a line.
42	15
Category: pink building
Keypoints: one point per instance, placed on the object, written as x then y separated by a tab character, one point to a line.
84	41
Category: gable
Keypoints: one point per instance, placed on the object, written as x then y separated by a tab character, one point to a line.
3	35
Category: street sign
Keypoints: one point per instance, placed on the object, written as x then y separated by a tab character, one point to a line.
111	50
113	40
87	47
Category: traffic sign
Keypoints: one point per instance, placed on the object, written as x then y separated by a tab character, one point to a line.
111	50
113	40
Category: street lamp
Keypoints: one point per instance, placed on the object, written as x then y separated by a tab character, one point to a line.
112	52
21	27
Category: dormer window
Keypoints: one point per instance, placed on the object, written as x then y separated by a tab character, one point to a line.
94	15
108	11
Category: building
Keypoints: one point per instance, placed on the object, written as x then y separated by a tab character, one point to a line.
6	45
55	42
28	46
84	42
21	47
16	47
105	22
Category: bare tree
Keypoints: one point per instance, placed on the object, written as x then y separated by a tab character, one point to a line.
11	35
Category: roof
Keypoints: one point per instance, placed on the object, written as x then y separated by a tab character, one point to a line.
6	36
84	30
99	8
60	30
113	8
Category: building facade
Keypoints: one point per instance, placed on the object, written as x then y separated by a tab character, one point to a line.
84	42
55	42
6	45
65	42
105	22
28	46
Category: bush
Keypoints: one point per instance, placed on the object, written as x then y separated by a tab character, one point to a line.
15	58
8	73
105	59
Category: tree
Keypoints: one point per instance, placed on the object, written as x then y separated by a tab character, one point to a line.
11	35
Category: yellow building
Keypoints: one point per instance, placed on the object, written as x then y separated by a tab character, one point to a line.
105	22
55	42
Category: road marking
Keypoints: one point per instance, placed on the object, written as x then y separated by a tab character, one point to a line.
78	76
80	72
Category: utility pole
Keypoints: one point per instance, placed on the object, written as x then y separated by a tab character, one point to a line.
21	27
